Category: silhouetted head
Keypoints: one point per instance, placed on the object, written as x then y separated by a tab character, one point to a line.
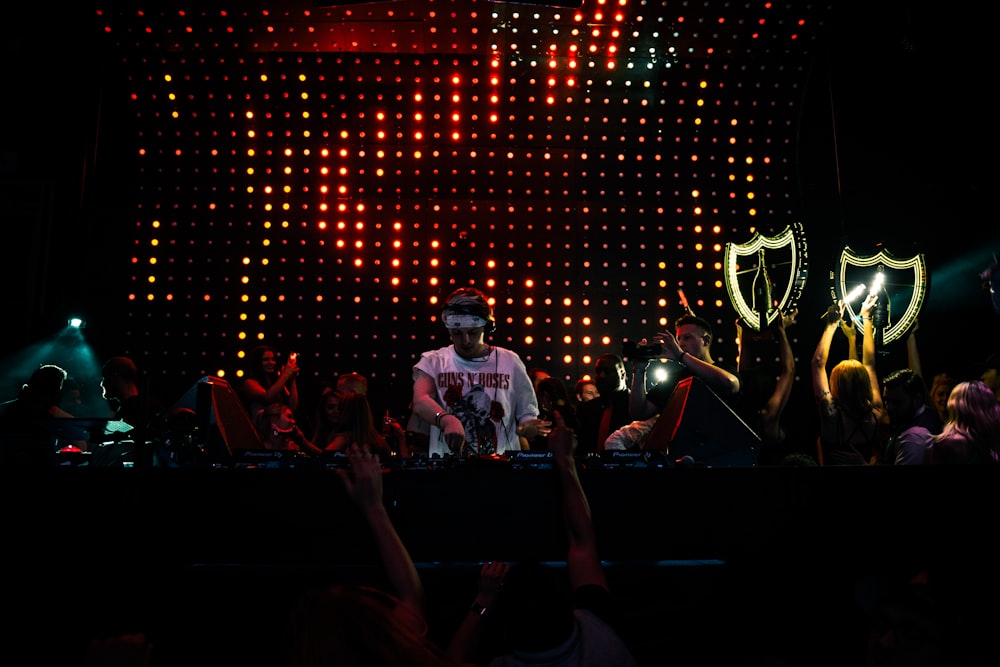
357	625
610	374
353	382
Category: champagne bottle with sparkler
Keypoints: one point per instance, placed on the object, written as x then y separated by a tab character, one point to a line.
762	292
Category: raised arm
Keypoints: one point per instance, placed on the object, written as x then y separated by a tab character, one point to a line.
363	482
786	376
851	334
912	351
255	392
820	380
427	407
307	445
868	348
291	373
717	378
582	561
464	643
639	406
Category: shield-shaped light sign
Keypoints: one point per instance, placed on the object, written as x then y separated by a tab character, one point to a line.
901	284
786	262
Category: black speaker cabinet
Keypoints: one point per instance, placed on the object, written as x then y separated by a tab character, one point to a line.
222	423
696	427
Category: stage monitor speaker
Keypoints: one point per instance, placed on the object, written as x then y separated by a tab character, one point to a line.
696	427
225	426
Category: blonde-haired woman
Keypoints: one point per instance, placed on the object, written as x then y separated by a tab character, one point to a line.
849	400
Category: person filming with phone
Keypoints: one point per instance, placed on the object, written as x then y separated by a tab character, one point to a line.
265	384
690	346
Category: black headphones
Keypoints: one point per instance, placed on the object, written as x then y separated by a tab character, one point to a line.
481	308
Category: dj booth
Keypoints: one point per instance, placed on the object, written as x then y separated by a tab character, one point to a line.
207	491
704	558
259	511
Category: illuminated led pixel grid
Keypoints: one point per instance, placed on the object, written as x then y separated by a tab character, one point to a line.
318	178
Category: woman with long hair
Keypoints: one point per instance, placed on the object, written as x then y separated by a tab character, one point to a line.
849	399
938	394
972	432
266	383
356	425
326	421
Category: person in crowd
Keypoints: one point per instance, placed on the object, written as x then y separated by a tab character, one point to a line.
991	374
30	431
266	384
585	390
609	411
354	382
630	437
911	619
553	395
136	408
942	383
125	649
912	422
327	417
390	427
971	433
278	430
537	374
689	346
559	616
941	386
120	387
764	396
357	624
849	399
477	397
395	436
355	424
71	396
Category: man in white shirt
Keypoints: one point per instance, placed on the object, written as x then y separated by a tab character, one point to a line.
477	398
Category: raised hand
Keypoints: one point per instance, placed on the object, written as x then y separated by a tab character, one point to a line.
869	305
363	480
562	439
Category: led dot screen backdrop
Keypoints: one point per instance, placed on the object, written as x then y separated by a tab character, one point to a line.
318	178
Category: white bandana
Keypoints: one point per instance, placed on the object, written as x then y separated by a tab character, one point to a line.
463	321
